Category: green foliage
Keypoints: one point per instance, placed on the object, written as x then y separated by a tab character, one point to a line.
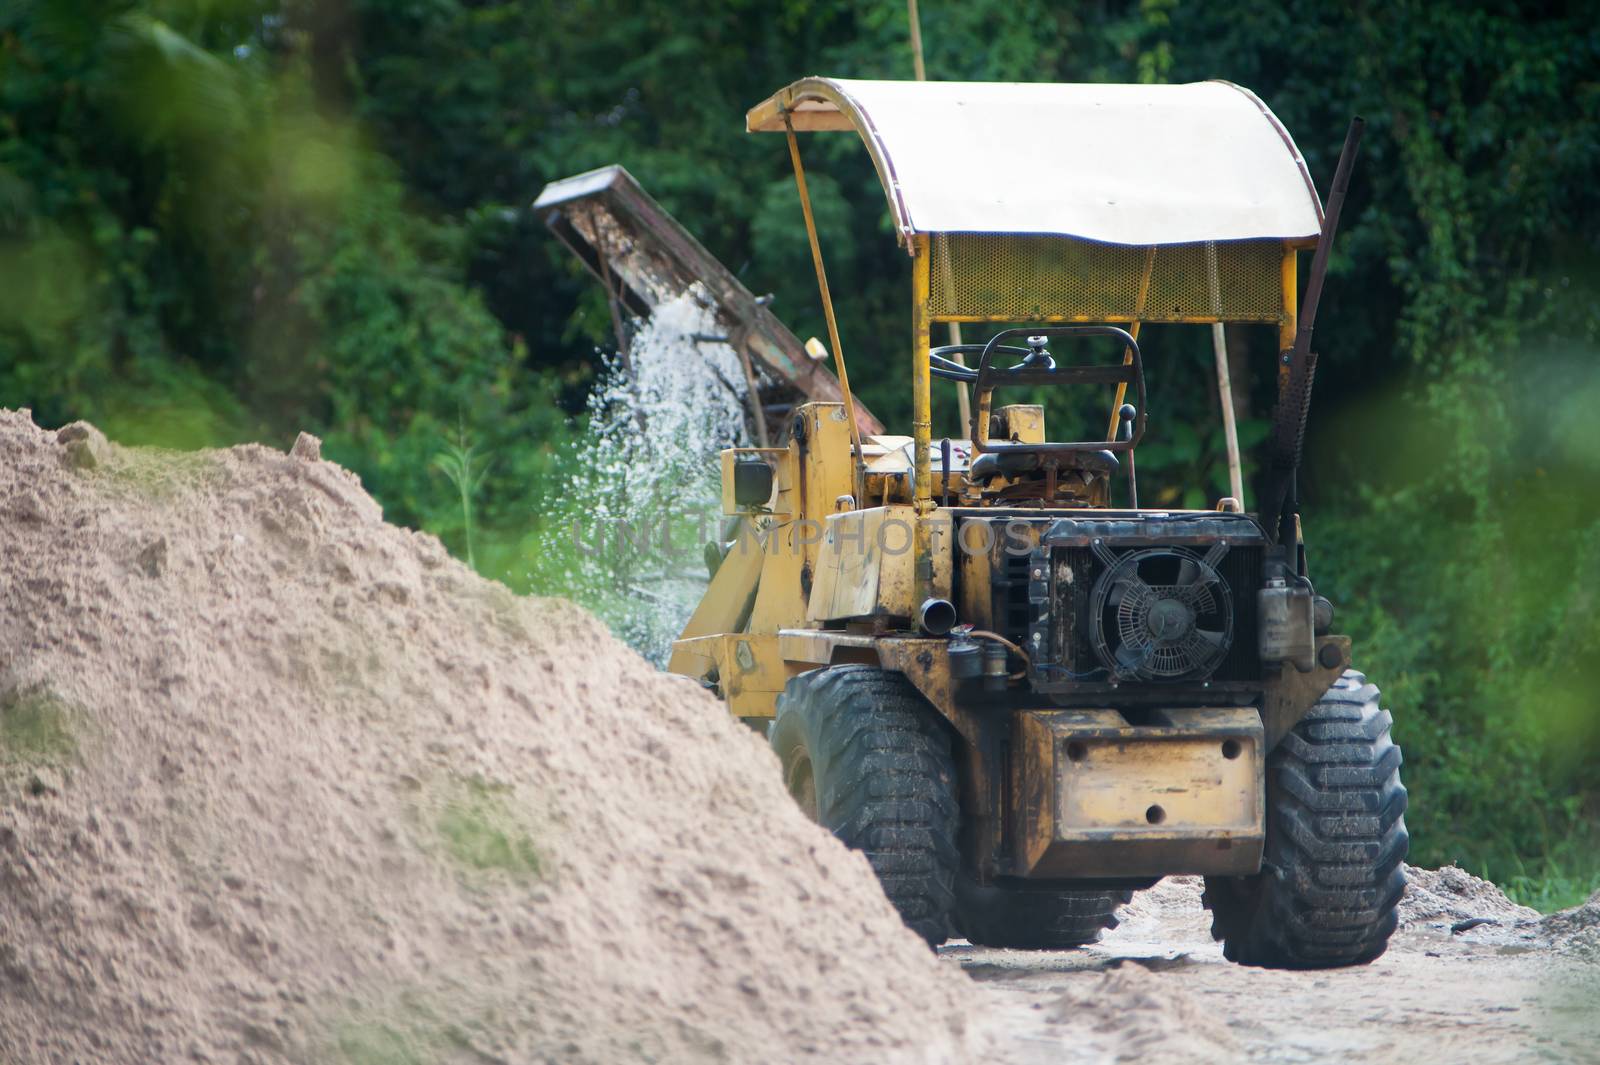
35	729
233	219
480	831
195	249
411	1041
466	470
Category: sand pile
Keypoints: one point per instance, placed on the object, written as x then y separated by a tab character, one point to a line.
1450	895
282	783
1574	931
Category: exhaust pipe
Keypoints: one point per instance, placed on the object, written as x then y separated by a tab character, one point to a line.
937	617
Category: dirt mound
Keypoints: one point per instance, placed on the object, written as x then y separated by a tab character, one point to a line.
1574	931
282	783
1451	894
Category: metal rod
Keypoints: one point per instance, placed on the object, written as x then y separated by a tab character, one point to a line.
753	394
921	374
921	419
1126	414
1133	331
1290	310
827	305
1294	392
1330	225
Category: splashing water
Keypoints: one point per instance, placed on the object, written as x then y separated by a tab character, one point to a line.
645	494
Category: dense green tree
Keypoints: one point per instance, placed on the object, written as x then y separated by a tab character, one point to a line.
233	219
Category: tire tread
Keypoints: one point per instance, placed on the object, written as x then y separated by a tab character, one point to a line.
1336	842
885	779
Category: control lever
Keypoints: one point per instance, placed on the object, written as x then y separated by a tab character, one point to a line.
1126	414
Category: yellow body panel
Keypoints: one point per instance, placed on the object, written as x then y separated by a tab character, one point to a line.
727	600
819	648
781	597
825	473
750	671
864	566
1096	796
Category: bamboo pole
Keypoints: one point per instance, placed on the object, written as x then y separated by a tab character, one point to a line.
1219	350
963	393
916	41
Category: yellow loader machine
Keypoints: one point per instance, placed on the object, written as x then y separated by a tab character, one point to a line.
979	660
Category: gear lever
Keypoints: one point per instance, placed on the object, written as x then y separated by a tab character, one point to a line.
1126	413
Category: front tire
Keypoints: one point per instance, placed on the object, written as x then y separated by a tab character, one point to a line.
1336	837
866	757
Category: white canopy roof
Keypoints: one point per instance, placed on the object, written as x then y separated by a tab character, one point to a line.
1120	164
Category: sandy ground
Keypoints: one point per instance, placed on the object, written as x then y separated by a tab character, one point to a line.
1157	989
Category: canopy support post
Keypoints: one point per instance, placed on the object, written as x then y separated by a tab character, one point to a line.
827	309
1288	323
922	415
1133	331
1230	428
1219	351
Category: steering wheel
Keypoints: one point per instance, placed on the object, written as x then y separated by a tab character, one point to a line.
941	365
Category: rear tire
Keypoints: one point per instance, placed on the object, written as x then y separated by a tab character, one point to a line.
1336	837
1030	918
866	757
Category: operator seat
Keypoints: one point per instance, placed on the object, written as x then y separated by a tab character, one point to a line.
988	466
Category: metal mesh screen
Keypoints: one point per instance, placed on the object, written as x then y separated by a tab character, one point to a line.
1016	278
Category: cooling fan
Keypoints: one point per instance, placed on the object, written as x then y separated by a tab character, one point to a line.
1162	614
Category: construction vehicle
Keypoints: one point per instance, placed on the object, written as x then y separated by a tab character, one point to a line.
978	660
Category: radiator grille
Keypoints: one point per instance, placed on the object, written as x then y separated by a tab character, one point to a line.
1076	569
1028	278
1014	609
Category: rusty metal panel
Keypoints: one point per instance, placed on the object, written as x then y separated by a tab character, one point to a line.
1289	694
1098	797
864	566
971	551
645	257
821	647
1021	423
